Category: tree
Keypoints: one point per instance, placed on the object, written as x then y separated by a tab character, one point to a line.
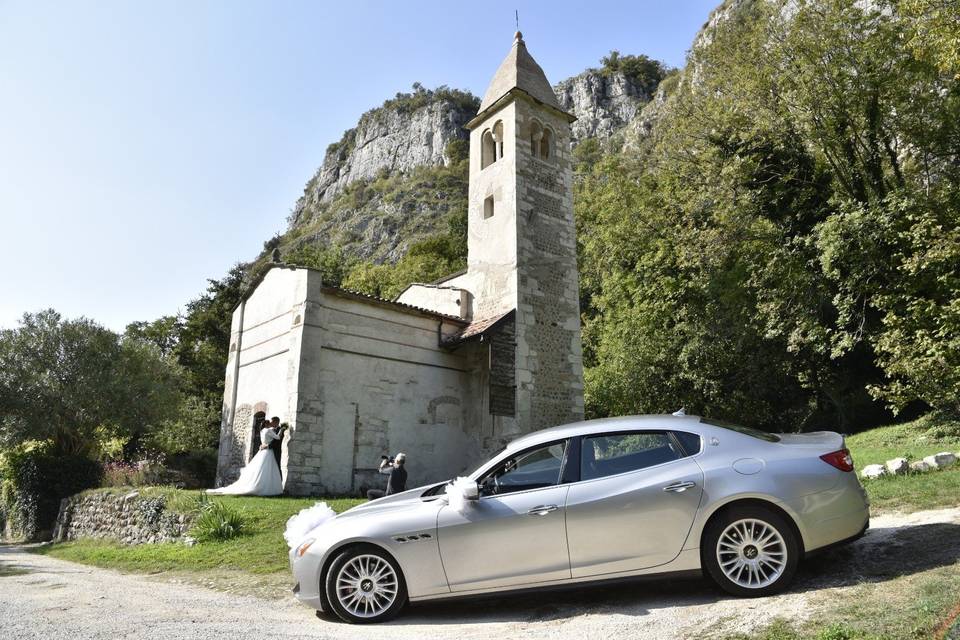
73	381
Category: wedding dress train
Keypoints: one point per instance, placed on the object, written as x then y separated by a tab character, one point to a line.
261	476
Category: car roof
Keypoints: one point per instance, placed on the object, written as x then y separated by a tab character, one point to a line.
604	425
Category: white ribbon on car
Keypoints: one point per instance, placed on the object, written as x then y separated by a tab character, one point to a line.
301	525
455	493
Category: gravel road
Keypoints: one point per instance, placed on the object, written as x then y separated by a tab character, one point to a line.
47	599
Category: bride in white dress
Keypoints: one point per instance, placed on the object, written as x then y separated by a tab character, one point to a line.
261	476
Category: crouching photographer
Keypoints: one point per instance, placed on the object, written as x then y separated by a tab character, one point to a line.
397	482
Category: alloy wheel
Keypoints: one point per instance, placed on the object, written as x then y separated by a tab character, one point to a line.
366	586
751	553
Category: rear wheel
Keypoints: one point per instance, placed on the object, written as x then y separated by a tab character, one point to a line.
365	585
750	551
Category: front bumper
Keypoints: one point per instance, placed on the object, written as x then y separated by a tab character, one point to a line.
306	573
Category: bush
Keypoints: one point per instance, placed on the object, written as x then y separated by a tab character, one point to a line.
194	469
33	481
217	521
141	473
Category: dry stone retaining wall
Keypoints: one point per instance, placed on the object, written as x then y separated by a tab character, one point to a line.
126	517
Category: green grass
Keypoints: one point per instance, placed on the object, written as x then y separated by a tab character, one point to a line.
262	550
917	606
910	440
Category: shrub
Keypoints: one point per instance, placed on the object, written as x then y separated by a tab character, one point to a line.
33	481
142	473
194	469
217	521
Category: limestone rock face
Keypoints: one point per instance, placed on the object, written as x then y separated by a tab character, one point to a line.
941	460
873	471
390	139
602	103
898	466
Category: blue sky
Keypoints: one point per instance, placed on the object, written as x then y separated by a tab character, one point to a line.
147	146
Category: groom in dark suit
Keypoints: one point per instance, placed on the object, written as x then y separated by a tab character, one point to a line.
276	444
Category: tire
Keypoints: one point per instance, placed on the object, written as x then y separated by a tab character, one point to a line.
757	547
364	585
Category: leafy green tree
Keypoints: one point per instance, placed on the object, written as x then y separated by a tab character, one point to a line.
332	263
72	382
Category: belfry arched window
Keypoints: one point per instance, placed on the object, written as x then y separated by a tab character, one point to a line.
546	144
498	140
541	141
491	145
488	149
536	138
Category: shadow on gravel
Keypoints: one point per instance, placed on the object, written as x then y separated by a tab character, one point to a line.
635	598
882	554
10	553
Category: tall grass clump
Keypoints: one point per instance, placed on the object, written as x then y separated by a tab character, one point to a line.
216	521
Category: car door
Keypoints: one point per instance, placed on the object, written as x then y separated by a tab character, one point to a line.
514	534
634	504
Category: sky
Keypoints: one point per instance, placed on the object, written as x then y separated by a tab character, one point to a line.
147	146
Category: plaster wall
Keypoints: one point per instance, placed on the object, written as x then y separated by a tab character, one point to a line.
492	241
386	386
262	365
445	299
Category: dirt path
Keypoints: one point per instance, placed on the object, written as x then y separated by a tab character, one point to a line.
44	598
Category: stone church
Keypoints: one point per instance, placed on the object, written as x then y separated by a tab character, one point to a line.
449	371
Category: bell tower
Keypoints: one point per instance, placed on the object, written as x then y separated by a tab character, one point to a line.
522	251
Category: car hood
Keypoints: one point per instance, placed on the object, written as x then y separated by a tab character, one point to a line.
392	504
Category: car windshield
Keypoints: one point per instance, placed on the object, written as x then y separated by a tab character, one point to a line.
747	431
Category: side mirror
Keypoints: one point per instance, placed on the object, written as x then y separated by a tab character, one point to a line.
470	491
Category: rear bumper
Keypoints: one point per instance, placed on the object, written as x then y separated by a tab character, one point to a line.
840	543
834	516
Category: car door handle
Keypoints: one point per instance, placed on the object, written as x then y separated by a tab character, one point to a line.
542	510
679	487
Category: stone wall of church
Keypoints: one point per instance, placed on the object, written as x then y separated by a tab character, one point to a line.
549	356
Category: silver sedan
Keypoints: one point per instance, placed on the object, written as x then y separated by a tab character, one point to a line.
593	501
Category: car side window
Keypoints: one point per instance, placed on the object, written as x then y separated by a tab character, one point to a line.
689	441
531	469
610	454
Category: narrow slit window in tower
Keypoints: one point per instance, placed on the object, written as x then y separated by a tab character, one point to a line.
488	207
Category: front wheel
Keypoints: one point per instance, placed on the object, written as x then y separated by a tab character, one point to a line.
750	551
365	585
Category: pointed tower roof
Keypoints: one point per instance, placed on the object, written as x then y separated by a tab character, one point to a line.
519	71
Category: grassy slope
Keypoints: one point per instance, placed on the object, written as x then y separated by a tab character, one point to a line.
911	440
262	551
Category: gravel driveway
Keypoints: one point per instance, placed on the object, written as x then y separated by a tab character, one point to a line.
44	598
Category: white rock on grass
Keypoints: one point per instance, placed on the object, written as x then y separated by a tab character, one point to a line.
919	466
941	460
873	471
898	466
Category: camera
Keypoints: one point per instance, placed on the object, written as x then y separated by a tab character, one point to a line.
387	458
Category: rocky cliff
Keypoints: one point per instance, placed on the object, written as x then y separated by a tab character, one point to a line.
410	131
604	103
399	175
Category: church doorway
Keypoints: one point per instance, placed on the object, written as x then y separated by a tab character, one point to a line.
258	419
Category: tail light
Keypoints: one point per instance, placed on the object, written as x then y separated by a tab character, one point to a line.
840	459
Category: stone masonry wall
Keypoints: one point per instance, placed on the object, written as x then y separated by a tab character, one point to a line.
128	518
549	357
